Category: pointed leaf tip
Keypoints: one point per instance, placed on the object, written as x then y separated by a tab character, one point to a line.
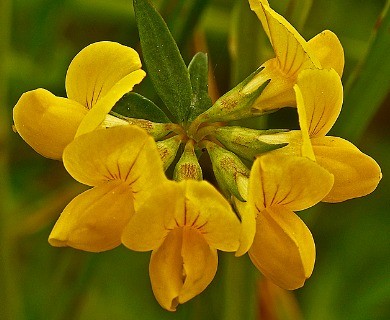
163	60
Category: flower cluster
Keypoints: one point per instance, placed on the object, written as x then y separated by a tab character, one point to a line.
263	176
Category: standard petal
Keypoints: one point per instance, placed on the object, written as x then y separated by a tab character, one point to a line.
154	219
123	153
328	50
46	122
294	182
166	270
355	173
98	113
209	212
95	219
283	248
97	68
322	93
199	264
191	203
292	55
291	49
147	172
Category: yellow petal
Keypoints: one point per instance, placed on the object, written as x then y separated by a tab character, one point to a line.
291	49
99	111
154	219
355	173
295	182
328	50
199	264
283	248
123	153
292	55
97	68
182	267
248	214
147	172
306	148
279	91
166	270
209	212
292	137
94	220
46	122
322	93
195	204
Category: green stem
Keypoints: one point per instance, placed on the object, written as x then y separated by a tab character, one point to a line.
297	12
240	278
9	296
80	267
194	126
206	130
368	86
245	52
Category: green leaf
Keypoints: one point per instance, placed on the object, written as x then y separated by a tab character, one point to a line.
198	69
165	65
133	105
370	84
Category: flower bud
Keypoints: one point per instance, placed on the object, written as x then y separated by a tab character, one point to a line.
228	170
156	130
246	142
188	166
235	104
168	149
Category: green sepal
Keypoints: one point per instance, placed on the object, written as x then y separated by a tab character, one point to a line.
234	104
164	63
168	150
133	105
245	142
228	170
199	71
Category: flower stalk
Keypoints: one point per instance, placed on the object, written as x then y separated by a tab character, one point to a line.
9	295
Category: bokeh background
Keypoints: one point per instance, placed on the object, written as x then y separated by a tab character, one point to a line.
38	39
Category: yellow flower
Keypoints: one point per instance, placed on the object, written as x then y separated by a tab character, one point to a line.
280	245
123	166
319	99
293	54
96	79
184	223
270	87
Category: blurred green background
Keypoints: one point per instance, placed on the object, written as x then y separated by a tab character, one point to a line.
38	39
